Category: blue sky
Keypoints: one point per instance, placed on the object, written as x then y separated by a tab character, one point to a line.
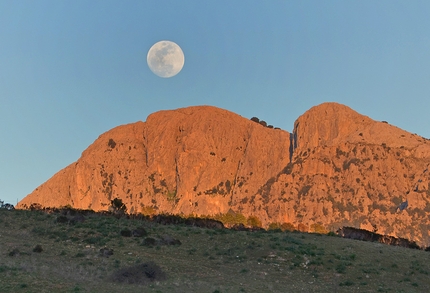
71	70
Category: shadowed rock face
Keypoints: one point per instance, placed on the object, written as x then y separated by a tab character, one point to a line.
338	168
364	235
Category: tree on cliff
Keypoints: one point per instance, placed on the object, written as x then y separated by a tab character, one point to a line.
117	207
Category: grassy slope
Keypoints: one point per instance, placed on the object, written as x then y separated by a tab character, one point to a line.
207	261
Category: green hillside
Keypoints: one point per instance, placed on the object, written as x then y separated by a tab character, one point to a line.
43	252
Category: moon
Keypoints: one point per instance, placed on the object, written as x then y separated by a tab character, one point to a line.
165	59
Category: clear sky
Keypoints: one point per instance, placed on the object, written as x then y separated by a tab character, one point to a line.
71	70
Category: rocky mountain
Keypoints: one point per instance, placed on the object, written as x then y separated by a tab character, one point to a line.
337	168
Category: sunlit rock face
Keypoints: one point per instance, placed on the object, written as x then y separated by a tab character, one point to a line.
337	168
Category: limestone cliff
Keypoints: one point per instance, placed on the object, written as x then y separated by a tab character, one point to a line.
337	168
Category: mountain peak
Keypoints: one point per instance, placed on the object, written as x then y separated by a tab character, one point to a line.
332	124
328	124
337	168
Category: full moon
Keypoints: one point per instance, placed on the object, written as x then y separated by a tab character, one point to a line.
165	59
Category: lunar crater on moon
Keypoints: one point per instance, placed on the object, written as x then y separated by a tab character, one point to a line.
165	59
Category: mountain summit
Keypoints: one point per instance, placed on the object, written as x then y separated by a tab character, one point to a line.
337	168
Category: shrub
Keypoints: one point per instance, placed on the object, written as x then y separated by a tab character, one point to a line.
274	227
36	207
139	232
231	218
149	241
139	274
318	228
14	252
61	219
148	211
346	283
287	227
160	240
106	252
254	221
117	206
341	268
126	233
38	248
111	143
171	195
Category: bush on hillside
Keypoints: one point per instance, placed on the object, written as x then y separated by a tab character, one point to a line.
139	274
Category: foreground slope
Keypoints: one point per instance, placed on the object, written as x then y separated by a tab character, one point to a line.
337	168
72	258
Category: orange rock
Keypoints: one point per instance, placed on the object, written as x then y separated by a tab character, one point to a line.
339	168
